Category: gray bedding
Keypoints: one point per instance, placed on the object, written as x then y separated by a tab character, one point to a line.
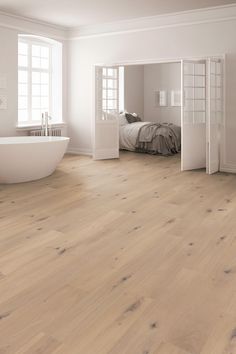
155	138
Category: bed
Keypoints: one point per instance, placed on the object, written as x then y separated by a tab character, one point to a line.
148	137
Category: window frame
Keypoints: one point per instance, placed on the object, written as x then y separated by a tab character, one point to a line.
30	41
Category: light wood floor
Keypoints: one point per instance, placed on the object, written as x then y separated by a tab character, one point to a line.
119	257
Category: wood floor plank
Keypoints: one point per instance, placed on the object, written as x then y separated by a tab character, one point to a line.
123	256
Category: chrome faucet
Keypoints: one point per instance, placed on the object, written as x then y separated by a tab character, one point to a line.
45	122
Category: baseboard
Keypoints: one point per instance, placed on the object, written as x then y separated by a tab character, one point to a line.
76	151
230	168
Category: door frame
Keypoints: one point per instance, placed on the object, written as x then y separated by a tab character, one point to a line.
167	61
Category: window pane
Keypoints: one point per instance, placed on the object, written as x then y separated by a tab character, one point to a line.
22	60
22	115
44	103
22	90
36	103
36	77
35	90
22	102
35	50
44	78
23	48
36	63
36	114
44	63
44	90
22	76
44	52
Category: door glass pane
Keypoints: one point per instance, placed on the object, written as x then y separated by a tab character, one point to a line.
188	117
189	69
199	105
199	93
111	104
218	68
213	92
218	105
218	81
112	72
213	80
112	84
199	81
112	94
189	81
189	93
213	68
199	69
218	93
199	117
189	105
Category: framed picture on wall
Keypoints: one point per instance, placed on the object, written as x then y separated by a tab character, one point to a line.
175	98
161	98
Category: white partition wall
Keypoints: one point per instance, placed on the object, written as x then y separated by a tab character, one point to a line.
193	116
106	129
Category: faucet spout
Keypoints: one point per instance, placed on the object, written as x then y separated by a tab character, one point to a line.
46	123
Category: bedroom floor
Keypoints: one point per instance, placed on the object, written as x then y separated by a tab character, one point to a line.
119	257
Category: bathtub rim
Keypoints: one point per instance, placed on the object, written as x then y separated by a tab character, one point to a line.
19	140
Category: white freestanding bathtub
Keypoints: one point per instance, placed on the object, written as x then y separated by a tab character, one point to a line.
24	159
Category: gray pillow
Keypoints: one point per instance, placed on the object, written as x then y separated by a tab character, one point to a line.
132	118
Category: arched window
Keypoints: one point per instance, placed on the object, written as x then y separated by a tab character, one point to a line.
39	79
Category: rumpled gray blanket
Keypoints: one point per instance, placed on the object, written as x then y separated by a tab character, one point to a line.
155	138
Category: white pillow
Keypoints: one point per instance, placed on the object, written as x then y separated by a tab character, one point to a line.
122	119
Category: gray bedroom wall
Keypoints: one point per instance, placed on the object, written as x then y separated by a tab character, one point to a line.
133	89
161	77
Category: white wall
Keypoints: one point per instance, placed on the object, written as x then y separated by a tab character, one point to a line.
205	39
161	77
134	89
8	67
9	62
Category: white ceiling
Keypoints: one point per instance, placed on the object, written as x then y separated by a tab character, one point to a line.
75	13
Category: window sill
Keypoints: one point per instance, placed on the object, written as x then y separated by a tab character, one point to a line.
38	126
